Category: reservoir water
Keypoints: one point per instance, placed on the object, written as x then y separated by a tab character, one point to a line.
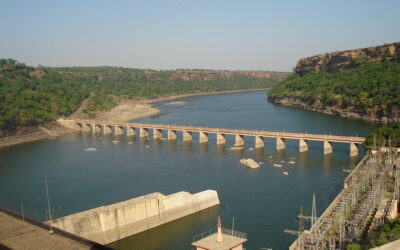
263	201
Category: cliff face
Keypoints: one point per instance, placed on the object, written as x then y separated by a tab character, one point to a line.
343	60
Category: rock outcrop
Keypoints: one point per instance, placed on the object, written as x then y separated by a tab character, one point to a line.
344	60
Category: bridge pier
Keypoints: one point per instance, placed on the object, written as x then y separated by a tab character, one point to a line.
239	140
171	135
187	136
157	133
85	127
259	142
95	128
327	148
303	145
203	137
130	131
220	139
280	143
353	150
118	130
144	132
106	129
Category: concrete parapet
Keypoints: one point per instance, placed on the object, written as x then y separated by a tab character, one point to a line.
220	139
187	135
203	137
144	132
107	224
239	141
171	135
303	145
118	130
130	131
280	143
353	150
259	142
157	133
327	148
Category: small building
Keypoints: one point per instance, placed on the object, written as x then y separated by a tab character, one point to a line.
220	239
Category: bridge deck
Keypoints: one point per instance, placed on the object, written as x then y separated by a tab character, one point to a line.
271	134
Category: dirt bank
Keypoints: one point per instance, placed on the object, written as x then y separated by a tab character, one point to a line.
34	135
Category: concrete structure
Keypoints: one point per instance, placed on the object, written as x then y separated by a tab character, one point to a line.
222	239
221	134
353	149
106	129
171	135
303	145
280	143
259	142
203	137
95	128
130	131
369	198
144	132
17	232
328	148
157	133
118	130
187	136
107	224
239	140
220	139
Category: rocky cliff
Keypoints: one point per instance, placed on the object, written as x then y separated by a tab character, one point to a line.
344	60
358	83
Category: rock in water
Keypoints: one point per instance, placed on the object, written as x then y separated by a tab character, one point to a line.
249	163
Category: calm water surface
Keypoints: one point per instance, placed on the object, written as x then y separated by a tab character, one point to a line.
263	201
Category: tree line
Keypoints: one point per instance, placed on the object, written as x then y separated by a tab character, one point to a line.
372	89
30	96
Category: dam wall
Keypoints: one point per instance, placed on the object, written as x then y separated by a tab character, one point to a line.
110	223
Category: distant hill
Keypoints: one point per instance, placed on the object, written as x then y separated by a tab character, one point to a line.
30	96
359	83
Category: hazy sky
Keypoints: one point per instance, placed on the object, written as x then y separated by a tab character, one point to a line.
211	34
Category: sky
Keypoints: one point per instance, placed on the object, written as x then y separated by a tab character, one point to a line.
192	34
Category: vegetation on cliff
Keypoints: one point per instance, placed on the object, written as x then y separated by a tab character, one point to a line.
386	234
30	96
371	90
380	137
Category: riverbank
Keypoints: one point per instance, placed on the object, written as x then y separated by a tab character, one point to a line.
332	110
125	111
35	135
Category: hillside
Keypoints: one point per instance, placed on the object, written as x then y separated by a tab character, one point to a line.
30	96
361	83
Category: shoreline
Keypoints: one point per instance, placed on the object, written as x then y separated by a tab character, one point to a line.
334	111
173	97
122	112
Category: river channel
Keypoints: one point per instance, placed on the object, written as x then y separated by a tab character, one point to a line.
263	201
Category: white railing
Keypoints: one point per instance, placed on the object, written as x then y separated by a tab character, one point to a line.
225	231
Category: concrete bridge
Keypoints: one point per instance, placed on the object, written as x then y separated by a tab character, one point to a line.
117	128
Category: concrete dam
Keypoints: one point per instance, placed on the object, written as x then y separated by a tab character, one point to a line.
107	224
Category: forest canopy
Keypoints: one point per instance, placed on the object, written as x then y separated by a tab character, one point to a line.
30	96
372	89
